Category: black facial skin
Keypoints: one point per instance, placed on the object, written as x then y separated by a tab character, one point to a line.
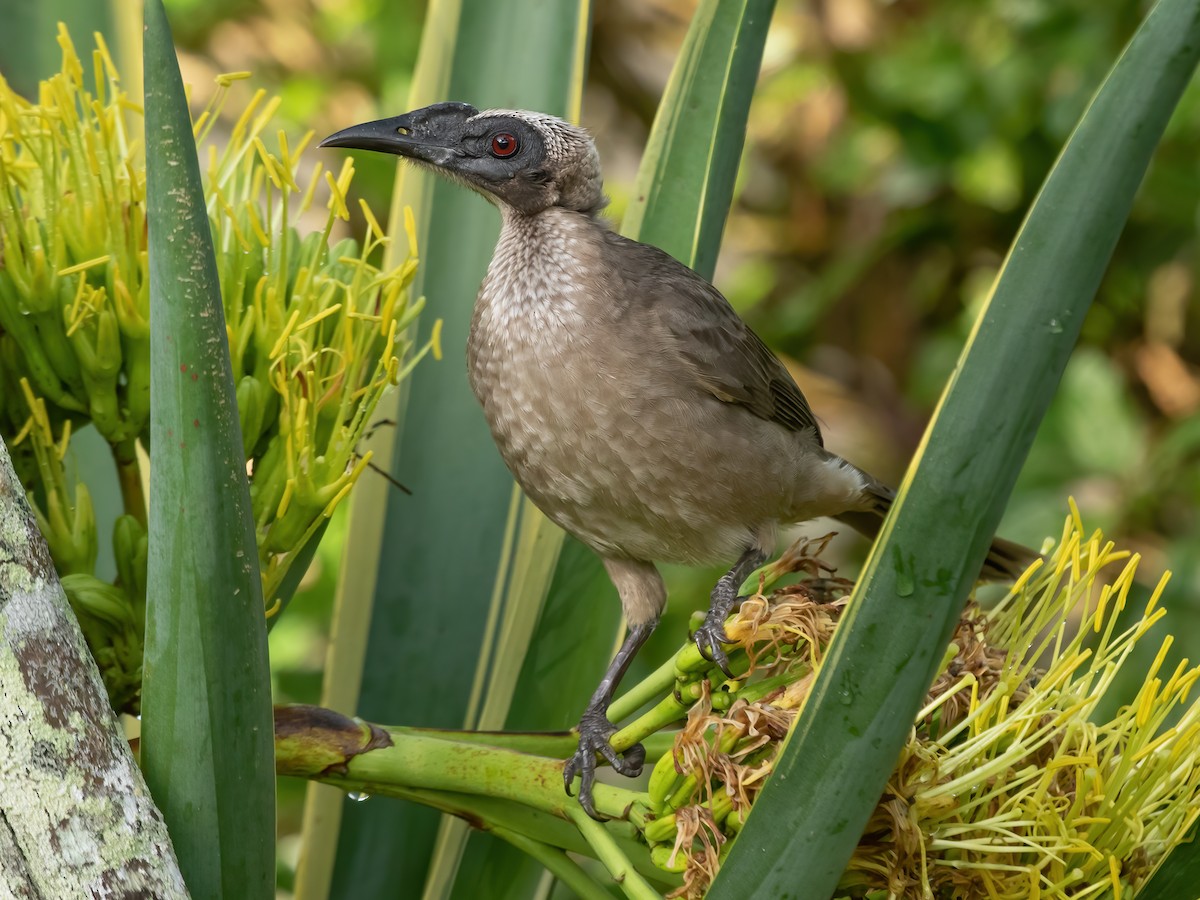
448	137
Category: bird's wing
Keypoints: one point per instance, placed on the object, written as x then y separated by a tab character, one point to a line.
728	359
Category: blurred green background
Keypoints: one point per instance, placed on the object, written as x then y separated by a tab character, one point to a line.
892	150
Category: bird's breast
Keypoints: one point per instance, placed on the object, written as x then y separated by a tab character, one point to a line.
592	429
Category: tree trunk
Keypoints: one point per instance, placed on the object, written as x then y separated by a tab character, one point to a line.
76	819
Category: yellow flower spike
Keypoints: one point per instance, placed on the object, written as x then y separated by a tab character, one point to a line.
268	162
277	350
1184	687
286	500
37	409
25	431
307	199
372	224
324	314
229	78
387	307
1158	591
231	218
264	117
337	200
346	175
106	60
435	339
1167	736
256	226
238	132
100	81
60	449
338	498
301	145
410	230
83	266
72	67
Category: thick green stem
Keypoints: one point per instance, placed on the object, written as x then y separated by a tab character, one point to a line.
557	862
554	744
425	762
487	813
668	711
318	743
658	682
129	475
608	852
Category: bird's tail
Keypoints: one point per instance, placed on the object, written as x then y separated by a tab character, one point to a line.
1005	562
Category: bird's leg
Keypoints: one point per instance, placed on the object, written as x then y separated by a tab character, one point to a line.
595	729
711	635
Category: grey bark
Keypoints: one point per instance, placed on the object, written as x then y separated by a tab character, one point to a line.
76	819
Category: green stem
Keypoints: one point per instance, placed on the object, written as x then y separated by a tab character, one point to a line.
667	711
129	475
658	682
557	862
553	744
488	812
608	852
420	761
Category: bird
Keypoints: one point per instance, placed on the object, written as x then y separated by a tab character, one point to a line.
631	403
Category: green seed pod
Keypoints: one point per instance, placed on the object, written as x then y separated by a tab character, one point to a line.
663	780
100	363
684	792
662	855
252	401
83	530
94	599
734	821
661	830
129	548
34	362
136	394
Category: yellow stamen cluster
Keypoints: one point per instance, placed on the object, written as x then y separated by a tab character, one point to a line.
1010	786
316	333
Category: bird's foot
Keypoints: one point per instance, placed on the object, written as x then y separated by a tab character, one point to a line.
708	639
595	733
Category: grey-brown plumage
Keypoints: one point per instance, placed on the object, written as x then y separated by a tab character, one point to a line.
629	400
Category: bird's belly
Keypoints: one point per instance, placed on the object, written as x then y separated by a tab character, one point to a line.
619	464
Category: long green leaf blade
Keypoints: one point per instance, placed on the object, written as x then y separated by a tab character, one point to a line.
685	183
207	732
809	817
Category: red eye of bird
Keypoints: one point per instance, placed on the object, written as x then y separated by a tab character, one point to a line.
503	145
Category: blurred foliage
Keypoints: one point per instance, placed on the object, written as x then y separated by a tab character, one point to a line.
892	150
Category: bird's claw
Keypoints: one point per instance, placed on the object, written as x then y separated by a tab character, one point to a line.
708	639
595	733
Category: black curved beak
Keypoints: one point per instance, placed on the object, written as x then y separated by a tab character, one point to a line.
385	135
428	135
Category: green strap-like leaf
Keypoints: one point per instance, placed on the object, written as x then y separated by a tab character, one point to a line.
830	776
207	733
685	183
